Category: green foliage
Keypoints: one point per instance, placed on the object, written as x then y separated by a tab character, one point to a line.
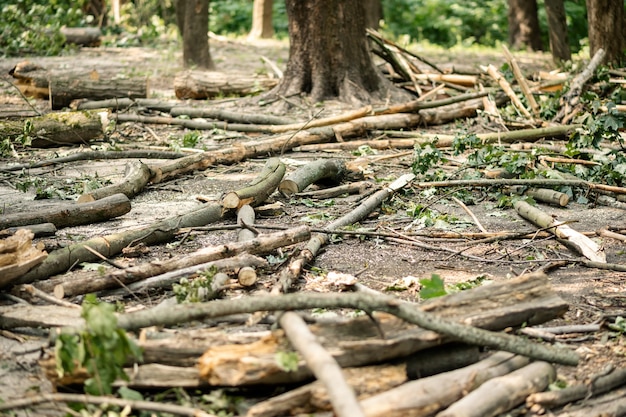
195	290
218	402
102	348
449	23
432	288
30	27
428	157
56	188
287	361
235	17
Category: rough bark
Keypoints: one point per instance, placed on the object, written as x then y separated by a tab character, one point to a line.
607	29
524	25
297	181
202	84
55	129
71	213
328	55
262	27
557	24
195	34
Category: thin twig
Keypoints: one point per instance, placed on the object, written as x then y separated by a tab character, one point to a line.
469	212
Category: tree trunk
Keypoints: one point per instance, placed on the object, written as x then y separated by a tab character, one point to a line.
524	25
373	13
607	29
194	19
262	27
328	55
559	44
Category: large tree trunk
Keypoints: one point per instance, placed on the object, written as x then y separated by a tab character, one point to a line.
262	27
607	29
193	20
328	55
524	25
559	44
373	13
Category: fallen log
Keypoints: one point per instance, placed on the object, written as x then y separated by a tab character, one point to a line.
297	181
87	36
426	396
211	84
313	397
62	86
63	259
70	213
258	190
597	385
136	176
54	129
501	394
98	282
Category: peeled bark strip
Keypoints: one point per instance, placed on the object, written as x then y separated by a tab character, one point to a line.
506	87
55	129
262	187
99	282
136	176
18	255
521	80
62	260
311	173
322	364
426	396
211	84
581	243
501	394
70	213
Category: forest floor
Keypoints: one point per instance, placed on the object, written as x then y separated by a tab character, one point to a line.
593	295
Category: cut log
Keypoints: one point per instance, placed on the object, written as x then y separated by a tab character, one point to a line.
211	84
258	190
70	213
329	169
63	86
55	129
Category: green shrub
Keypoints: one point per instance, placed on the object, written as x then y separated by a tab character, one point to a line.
30	27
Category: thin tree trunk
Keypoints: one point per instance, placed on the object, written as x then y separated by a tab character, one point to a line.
262	27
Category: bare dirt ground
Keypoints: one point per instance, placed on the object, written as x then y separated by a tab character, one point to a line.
593	295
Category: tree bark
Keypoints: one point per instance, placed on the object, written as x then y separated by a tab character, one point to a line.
328	55
203	84
607	29
557	25
373	13
195	33
262	27
524	25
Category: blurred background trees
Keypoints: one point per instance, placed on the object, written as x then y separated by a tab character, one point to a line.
25	25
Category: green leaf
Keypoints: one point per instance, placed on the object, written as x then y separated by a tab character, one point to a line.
287	361
433	287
